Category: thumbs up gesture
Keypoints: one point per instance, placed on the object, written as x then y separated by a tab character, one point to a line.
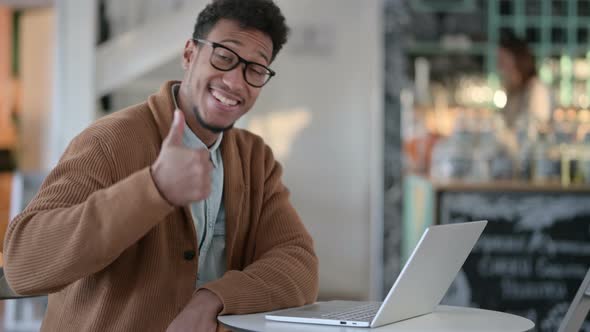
182	175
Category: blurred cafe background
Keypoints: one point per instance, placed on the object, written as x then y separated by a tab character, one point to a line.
388	115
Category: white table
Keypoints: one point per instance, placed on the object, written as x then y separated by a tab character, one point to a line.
445	318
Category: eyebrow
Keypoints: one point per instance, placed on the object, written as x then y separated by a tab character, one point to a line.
237	42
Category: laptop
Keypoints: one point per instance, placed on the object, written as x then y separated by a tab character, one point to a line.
420	286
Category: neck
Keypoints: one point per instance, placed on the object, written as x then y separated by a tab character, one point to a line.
205	135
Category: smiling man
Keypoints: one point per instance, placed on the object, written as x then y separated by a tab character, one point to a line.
162	216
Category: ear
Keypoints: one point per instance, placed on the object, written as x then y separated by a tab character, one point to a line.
187	53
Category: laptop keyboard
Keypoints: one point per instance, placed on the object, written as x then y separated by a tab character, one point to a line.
363	313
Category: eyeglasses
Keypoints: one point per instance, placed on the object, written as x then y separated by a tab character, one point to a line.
224	59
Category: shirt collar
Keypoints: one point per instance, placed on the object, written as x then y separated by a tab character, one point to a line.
189	136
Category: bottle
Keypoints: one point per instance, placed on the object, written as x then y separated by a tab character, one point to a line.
496	155
584	145
452	158
543	163
525	141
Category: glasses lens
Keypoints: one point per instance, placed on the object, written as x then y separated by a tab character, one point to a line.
256	74
223	59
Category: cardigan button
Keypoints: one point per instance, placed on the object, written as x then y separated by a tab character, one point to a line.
189	255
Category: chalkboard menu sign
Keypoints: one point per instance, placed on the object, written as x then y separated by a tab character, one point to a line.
530	259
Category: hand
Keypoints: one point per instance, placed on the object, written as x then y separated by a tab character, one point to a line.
200	314
181	174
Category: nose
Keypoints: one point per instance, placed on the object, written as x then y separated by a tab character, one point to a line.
234	79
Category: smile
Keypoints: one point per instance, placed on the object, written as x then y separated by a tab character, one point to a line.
227	101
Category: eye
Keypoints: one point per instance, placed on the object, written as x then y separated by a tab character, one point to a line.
257	70
223	58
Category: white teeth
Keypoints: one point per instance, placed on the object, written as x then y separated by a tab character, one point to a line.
225	101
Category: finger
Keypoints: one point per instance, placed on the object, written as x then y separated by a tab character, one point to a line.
176	130
202	154
203	157
200	193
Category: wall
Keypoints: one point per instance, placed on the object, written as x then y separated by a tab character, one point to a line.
396	31
74	69
37	31
321	115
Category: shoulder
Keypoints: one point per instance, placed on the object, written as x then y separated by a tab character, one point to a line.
132	121
248	143
249	152
132	126
244	137
537	88
540	100
129	134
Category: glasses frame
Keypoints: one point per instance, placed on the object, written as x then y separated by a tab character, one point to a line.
215	45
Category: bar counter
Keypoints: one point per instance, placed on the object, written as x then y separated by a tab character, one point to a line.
533	254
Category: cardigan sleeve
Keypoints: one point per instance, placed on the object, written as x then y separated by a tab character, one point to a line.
79	221
284	272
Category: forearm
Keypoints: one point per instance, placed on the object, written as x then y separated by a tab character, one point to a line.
200	314
285	277
283	269
46	249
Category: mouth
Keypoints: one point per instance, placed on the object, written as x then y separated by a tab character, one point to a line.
225	100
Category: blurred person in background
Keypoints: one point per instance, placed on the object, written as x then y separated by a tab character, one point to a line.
529	102
162	216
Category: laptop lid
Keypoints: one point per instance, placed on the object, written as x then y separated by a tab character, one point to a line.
579	308
430	270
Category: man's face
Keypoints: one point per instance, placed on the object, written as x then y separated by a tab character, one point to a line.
221	97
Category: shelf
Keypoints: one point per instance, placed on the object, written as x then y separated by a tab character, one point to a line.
482	49
510	186
436	48
510	21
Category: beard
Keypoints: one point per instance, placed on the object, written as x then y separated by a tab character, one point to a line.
210	127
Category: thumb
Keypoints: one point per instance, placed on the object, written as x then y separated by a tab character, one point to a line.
176	129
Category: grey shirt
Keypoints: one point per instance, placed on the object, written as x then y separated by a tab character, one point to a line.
209	214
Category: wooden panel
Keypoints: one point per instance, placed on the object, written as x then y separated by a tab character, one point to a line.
7	134
36	71
5	190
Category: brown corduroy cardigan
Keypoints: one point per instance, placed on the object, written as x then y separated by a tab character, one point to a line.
113	255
